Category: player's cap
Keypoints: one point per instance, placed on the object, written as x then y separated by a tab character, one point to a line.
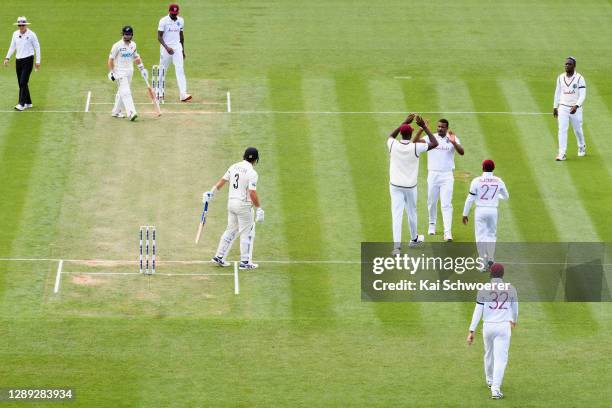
173	9
406	130
497	270
488	165
251	155
21	20
127	30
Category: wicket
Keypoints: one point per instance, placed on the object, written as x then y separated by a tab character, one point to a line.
158	79
146	233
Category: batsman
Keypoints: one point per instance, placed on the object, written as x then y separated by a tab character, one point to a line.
242	197
121	67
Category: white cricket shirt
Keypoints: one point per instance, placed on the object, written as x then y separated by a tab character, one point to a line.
241	177
25	44
404	162
171	29
495	306
123	55
486	191
570	91
442	158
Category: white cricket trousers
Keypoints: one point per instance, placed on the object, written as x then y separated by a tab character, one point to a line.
177	59
123	98
440	185
403	199
485	225
496	337
564	119
240	220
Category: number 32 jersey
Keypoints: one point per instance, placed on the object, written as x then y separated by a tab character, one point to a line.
487	190
241	177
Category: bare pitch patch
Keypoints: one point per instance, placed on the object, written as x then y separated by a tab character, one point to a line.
86	280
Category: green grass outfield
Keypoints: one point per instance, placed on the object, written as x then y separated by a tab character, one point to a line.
316	87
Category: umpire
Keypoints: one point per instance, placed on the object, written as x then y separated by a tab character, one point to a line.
25	43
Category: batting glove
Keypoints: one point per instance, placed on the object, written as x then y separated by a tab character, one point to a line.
259	215
111	76
207	196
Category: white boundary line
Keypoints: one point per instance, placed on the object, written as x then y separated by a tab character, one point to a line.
58	276
87	102
301	112
236	284
229	103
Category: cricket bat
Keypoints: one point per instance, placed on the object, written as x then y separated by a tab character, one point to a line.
153	98
202	222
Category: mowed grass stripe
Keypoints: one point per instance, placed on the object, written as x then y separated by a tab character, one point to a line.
266	293
548	231
501	137
588	174
454	95
552	178
332	173
365	138
596	115
368	158
310	285
21	139
340	222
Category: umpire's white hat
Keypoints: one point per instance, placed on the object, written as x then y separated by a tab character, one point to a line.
21	20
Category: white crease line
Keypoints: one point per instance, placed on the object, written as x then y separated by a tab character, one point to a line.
236	284
138	273
58	276
229	103
87	102
100	273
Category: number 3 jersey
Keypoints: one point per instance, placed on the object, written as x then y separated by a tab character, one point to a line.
486	191
241	177
496	306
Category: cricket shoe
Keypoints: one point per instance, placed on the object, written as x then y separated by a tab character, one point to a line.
28	106
581	151
118	115
220	261
417	241
448	237
19	107
133	116
432	229
247	265
497	395
187	98
396	251
561	157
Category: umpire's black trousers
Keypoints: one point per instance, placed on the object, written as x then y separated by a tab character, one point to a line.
24	69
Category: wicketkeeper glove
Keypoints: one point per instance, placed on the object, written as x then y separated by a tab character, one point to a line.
111	76
259	215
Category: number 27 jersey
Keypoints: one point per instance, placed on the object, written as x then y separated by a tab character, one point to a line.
488	190
241	177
